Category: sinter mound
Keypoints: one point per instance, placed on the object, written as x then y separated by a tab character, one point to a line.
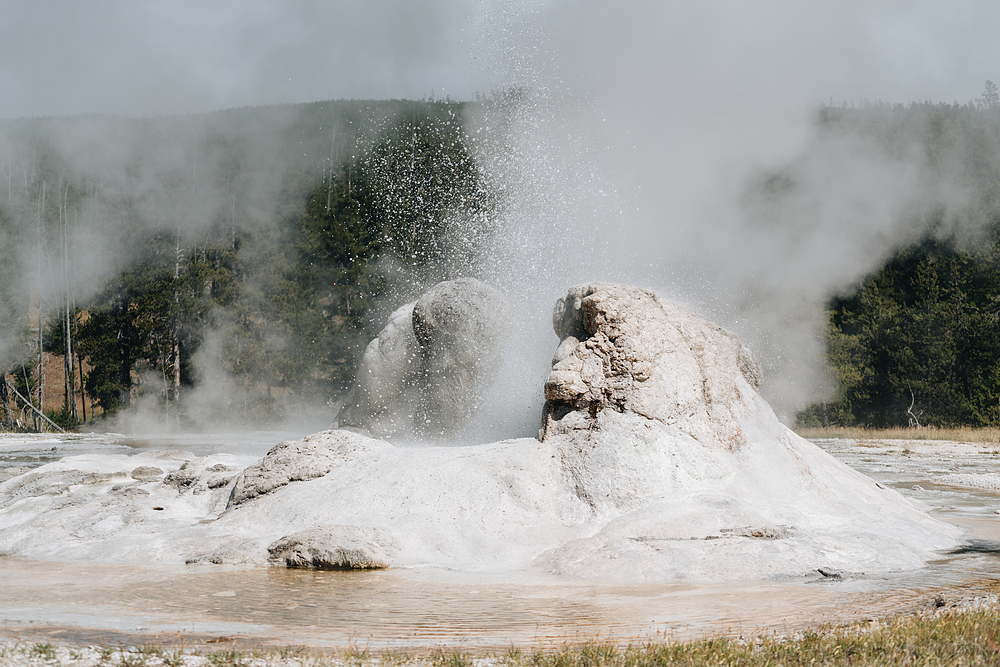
657	461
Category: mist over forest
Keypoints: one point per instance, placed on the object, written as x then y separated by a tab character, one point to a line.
229	265
914	341
227	269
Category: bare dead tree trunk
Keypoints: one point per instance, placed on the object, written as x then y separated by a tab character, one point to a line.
69	388
232	221
70	316
329	181
914	421
41	351
177	369
5	417
83	394
174	334
27	390
39	413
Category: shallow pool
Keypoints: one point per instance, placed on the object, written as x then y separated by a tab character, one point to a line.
431	607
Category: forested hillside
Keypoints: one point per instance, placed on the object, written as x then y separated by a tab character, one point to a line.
233	265
917	342
236	258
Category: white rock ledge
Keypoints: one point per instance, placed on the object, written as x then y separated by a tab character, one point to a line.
659	462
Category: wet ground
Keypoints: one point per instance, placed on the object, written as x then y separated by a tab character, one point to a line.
85	603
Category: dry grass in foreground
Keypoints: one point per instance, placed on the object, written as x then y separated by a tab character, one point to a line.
949	637
958	434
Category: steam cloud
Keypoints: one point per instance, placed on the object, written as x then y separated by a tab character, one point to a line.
642	126
675	111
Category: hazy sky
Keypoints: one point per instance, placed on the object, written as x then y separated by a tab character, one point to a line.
142	56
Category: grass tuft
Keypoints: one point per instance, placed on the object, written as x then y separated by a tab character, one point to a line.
395	658
450	658
173	658
355	656
44	651
964	635
286	652
226	658
129	659
968	638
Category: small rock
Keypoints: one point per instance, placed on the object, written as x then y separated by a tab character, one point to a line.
760	532
146	472
182	480
244	553
335	548
219	481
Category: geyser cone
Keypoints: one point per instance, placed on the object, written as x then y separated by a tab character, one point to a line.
658	461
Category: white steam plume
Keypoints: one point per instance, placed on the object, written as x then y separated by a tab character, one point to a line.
645	126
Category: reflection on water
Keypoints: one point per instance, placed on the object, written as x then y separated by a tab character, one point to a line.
426	607
35	449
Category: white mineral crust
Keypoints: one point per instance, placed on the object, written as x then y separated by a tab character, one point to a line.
658	461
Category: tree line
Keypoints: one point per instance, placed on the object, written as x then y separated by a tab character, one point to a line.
917	342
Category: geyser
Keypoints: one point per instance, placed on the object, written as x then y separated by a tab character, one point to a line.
658	461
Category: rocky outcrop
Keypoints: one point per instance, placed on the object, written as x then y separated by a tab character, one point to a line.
627	350
426	372
632	367
33	484
335	548
196	476
300	461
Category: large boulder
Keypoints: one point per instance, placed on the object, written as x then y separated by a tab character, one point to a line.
380	400
426	373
